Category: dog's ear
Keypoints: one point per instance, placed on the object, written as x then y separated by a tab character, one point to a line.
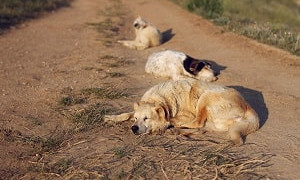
193	67
135	105
197	66
163	111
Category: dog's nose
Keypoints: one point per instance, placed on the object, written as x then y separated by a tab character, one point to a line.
135	129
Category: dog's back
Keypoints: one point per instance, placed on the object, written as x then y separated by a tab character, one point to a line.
165	63
178	65
225	110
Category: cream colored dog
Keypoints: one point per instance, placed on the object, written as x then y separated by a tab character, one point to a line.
178	65
192	104
147	35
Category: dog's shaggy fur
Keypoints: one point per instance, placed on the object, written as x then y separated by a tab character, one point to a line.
192	104
178	65
147	35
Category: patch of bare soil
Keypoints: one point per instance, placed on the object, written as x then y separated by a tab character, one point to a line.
61	73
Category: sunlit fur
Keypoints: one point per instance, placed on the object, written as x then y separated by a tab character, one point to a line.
147	35
192	103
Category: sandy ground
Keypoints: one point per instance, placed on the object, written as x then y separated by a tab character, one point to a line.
63	50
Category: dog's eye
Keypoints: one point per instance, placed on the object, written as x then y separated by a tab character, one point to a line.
145	118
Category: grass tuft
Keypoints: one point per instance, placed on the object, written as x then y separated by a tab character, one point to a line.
90	116
41	144
104	92
114	62
71	100
115	74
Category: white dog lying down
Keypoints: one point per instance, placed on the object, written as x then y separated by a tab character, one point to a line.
147	35
178	65
190	103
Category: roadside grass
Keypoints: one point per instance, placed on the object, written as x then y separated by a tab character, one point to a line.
272	22
163	157
13	12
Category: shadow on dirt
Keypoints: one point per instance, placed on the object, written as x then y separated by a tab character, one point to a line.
167	35
256	100
215	66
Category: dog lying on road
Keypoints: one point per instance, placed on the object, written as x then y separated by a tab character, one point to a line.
147	35
178	65
190	103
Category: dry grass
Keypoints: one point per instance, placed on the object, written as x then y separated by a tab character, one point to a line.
87	107
114	61
89	117
41	145
104	92
161	157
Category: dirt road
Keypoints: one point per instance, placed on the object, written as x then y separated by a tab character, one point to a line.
64	53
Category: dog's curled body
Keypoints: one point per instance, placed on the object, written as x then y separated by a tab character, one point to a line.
191	103
146	35
178	65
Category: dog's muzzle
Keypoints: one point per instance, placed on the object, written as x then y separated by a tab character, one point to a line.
135	129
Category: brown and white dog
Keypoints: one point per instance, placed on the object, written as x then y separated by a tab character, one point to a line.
147	35
190	103
178	65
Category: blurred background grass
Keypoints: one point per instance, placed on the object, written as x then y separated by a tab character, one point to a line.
274	22
13	12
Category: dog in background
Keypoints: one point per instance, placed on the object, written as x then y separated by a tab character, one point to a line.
190	103
178	65
147	35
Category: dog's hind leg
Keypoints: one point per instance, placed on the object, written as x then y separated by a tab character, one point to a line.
142	45
118	118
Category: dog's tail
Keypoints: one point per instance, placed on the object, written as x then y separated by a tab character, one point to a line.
247	125
252	121
118	118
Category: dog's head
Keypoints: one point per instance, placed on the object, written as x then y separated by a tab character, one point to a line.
140	23
200	69
205	72
149	118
